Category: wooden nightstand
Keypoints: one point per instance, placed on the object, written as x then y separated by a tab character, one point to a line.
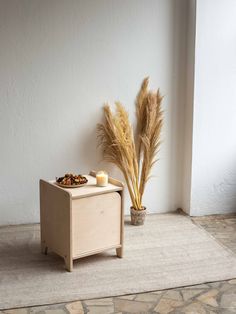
78	222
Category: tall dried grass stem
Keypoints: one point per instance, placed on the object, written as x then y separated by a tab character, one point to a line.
134	156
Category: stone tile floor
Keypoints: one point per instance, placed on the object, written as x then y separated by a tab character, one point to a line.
210	298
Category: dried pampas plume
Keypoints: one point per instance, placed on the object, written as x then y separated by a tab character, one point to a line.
134	156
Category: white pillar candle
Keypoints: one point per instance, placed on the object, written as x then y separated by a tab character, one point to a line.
102	178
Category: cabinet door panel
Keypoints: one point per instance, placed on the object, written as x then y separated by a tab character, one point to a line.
96	223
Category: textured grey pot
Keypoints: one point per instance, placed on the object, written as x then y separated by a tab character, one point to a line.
137	216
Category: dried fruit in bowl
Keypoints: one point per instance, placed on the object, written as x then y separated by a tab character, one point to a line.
72	179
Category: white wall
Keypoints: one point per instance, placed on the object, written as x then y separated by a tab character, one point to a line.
59	61
213	180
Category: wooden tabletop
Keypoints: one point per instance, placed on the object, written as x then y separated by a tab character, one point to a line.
91	189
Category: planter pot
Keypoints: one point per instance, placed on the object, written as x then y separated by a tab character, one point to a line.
137	216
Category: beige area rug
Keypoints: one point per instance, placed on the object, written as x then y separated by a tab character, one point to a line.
169	251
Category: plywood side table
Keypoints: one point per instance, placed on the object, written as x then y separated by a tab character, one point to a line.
78	222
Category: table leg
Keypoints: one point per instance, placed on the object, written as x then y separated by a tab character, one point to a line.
68	263
44	248
119	252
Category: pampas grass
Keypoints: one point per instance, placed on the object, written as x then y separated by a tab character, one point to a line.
133	155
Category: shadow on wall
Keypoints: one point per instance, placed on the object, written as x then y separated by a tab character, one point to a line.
90	154
88	151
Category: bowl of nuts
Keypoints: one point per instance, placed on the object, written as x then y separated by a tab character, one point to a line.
71	180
